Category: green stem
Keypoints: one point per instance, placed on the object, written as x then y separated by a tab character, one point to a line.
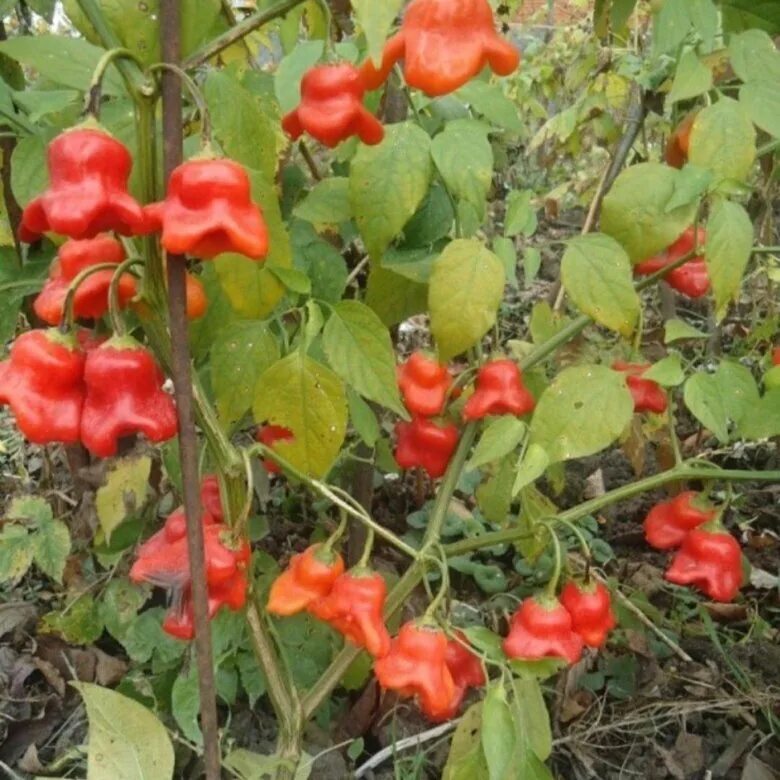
765	250
113	294
552	585
368	548
444	588
70	297
195	94
95	84
767	148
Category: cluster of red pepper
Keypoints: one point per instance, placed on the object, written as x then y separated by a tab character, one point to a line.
421	661
163	561
426	386
692	278
443	43
68	388
708	557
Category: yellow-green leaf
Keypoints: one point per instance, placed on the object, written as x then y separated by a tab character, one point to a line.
395	297
124	492
376	19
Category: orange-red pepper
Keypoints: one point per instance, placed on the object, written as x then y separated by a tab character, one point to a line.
692	278
669	522
424	444
542	628
648	396
499	390
269	435
590	607
679	142
424	384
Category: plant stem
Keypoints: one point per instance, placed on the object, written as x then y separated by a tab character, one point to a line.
70	296
114	303
234	34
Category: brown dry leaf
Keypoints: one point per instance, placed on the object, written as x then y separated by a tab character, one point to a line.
109	670
30	762
647	579
16	614
726	613
575	706
594	485
634	446
688	752
51	675
757	770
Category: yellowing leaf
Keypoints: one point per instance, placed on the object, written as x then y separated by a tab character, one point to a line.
124	492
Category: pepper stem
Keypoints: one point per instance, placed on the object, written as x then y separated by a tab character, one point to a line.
67	308
113	294
339	532
195	94
552	585
326	12
92	104
367	550
444	588
583	542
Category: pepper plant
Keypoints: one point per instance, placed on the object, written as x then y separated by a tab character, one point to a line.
323	177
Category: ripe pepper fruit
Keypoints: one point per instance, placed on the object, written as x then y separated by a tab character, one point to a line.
43	383
542	628
444	44
669	522
90	300
692	278
416	665
355	607
269	435
87	193
712	561
679	142
499	390
424	444
124	396
648	395
210	497
590	607
309	576
208	211
424	384
331	108
466	670
776	356
197	302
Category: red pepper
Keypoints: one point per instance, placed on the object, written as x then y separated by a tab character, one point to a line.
331	108
466	670
124	397
669	522
424	384
542	628
87	194
776	356
499	390
310	576
209	211
424	444
43	383
590	607
692	278
710	560
269	435
680	141
417	666
210	496
648	395
91	298
197	302
355	607
444	44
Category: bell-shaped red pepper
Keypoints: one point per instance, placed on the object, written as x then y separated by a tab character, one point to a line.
692	279
43	383
444	44
355	608
466	670
542	628
590	607
424	384
209	211
417	666
309	576
499	390
669	522
776	356
331	108
710	560
679	142
90	300
648	396
424	444
269	435
211	497
124	397
87	194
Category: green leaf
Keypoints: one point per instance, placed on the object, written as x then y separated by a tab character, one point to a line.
754	56
499	438
241	352
394	297
531	715
596	273
464	159
520	214
693	78
120	605
363	418
677	330
298	393
494	496
31	508
721	400
51	547
489	100
125	741
723	139
504	249
705	20
287	79
359	349
691	184
387	184
762	421
123	493
466	761
185	704
532	262
29	175
530	467
761	100
729	244
242	123
635	210
431	222
68	62
497	733
327	203
569	421
79	623
667	372
671	25
17	549
466	288
321	262
743	14
294	280
376	19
